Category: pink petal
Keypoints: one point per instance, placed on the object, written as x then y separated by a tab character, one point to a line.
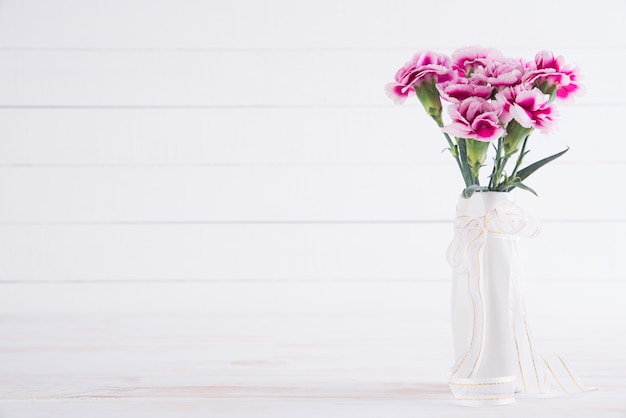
456	129
396	92
521	116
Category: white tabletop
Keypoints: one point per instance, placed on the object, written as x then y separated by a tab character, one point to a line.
273	365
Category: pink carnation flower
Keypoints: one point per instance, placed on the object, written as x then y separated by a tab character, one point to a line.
424	67
501	73
530	108
468	59
460	89
550	72
475	118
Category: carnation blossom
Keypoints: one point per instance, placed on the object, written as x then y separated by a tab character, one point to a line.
460	89
475	118
469	59
552	74
501	73
530	108
424	67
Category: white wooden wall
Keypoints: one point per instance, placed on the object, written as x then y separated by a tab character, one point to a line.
208	156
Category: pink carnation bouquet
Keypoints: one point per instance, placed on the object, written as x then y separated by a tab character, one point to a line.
493	100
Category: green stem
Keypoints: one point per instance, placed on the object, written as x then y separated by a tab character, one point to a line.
455	153
494	170
465	169
505	160
520	158
498	165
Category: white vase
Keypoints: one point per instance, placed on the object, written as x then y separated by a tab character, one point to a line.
487	273
495	354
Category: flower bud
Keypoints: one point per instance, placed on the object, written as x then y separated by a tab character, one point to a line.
515	135
476	154
428	95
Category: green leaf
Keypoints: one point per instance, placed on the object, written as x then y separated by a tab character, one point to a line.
525	172
454	151
521	185
507	185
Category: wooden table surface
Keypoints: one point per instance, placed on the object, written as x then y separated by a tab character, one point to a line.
274	365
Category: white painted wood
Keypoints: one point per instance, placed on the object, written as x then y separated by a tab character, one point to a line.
272	365
239	78
277	193
319	24
290	136
224	193
358	402
571	251
565	299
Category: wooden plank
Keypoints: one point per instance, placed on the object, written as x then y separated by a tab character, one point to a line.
240	136
430	398
579	301
222	194
273	365
223	252
284	193
226	298
238	78
576	251
244	24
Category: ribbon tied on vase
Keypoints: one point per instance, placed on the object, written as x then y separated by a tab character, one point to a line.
472	379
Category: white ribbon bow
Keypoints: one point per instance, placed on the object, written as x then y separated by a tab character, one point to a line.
471	231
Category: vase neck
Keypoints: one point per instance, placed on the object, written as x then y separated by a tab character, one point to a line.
482	202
